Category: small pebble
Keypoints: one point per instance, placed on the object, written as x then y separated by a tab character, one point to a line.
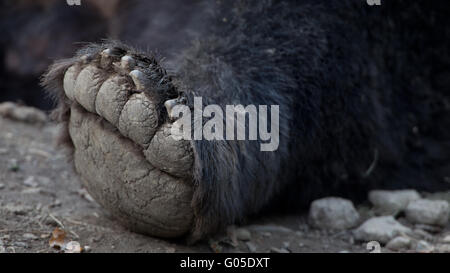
251	247
29	236
30	182
399	243
333	213
278	250
424	247
243	234
381	229
446	239
443	248
10	249
56	203
72	247
20	244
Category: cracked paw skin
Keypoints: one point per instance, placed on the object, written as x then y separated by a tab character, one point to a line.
123	150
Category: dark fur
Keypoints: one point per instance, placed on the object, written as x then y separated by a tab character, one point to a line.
352	82
363	95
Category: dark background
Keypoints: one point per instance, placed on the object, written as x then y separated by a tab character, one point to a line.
35	33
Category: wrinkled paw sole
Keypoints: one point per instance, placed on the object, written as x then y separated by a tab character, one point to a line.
115	172
127	160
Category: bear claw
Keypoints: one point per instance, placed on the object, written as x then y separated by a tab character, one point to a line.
127	62
138	79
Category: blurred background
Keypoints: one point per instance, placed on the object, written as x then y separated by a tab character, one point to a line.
37	32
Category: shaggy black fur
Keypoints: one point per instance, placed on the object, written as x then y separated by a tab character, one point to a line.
363	94
361	102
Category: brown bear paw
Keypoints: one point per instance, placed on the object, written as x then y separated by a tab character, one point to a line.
123	148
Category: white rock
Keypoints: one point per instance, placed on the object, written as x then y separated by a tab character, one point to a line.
399	243
446	239
243	234
278	250
251	247
72	247
30	182
381	229
431	212
392	202
424	247
443	248
29	236
333	213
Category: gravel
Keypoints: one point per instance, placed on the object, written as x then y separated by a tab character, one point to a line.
269	228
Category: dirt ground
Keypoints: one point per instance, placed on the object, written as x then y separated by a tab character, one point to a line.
40	191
